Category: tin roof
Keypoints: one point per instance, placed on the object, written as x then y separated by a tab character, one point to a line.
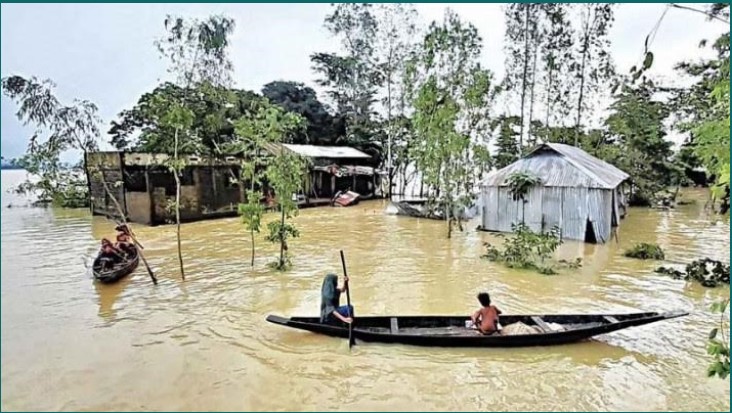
331	152
562	165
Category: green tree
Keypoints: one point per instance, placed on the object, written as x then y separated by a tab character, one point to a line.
352	79
556	55
522	42
592	64
284	174
322	127
450	93
395	40
197	55
507	140
256	135
636	142
710	124
59	128
139	128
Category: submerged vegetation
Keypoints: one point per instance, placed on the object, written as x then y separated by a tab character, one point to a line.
645	251
705	271
525	249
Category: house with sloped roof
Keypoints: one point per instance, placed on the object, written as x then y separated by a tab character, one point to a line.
577	192
142	186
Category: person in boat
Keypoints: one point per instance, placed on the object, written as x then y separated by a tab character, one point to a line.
124	239
486	318
109	254
330	308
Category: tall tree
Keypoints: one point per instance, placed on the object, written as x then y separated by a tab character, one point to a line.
352	79
395	40
449	91
556	54
256	133
322	127
595	64
522	41
507	140
637	132
285	174
140	129
198	55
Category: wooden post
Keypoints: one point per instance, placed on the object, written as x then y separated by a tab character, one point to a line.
148	187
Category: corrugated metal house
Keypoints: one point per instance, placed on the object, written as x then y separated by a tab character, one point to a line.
578	193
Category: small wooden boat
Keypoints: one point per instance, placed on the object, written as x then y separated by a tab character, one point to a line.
118	271
451	331
347	198
422	210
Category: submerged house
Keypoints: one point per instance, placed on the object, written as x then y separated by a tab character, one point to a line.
580	194
141	185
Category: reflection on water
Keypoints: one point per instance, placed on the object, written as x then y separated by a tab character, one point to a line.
204	344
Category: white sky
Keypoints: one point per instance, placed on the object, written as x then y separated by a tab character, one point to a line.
105	53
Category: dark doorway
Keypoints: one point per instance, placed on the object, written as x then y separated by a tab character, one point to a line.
590	233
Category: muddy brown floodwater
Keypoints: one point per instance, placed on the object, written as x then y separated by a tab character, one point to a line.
69	344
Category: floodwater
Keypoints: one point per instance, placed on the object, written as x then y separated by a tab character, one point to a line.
203	343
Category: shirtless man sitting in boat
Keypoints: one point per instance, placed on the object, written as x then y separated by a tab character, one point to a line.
486	318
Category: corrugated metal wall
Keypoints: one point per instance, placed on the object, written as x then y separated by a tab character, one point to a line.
551	203
574	213
568	208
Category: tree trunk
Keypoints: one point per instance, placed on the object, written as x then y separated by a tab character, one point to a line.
282	239
523	77
531	95
177	205
549	105
585	52
390	132
252	232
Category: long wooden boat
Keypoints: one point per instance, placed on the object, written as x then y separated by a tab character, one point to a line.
118	271
451	331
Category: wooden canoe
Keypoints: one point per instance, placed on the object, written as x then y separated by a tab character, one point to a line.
118	271
451	331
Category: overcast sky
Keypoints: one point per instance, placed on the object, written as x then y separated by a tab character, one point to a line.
105	53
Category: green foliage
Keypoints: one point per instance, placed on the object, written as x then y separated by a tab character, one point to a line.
252	211
352	79
712	129
529	250
507	142
706	271
322	127
58	128
645	251
141	128
198	49
450	93
636	143
285	174
593	63
718	344
519	184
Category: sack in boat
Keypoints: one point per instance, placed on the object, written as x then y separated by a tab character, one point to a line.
518	328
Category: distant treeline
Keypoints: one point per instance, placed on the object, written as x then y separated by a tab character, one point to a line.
10	164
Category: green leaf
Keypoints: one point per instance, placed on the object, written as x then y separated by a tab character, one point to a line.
713	333
648	61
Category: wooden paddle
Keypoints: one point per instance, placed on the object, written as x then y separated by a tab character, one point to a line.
348	302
